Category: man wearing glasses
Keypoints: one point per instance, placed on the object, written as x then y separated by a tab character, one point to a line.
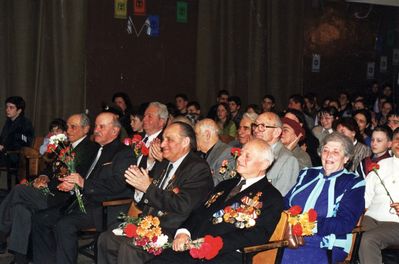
285	169
381	221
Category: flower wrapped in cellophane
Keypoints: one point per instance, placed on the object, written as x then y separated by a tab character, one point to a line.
303	224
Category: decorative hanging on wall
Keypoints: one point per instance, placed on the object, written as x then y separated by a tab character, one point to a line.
181	11
120	7
139	7
152	24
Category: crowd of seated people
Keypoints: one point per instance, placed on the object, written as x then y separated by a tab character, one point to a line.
186	175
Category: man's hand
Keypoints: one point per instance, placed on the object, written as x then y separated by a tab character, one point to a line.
41	181
181	242
138	178
74	178
396	207
155	150
65	186
293	144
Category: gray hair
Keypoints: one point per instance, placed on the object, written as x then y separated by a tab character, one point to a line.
208	124
250	116
344	140
84	120
162	110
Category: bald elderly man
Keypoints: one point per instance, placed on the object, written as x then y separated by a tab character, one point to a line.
250	183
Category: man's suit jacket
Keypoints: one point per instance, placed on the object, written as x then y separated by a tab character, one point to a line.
107	180
85	151
284	170
187	189
200	222
219	152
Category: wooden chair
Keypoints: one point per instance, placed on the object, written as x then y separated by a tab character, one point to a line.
270	252
10	171
89	250
357	232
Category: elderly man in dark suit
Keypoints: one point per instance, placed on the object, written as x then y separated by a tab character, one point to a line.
178	185
18	206
103	181
249	186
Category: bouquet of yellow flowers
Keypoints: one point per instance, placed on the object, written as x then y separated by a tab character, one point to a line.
146	233
302	223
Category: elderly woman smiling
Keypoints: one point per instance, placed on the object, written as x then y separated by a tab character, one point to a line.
338	197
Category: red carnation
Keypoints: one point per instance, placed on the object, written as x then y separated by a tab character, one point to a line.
297	229
312	214
136	138
127	141
194	252
215	243
235	152
51	148
176	190
373	166
130	230
144	150
295	210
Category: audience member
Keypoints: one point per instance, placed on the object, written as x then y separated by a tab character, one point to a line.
171	195
55	235
326	118
285	169
214	151
348	127
57	126
223	120
181	103
235	109
381	141
244	133
136	123
222	97
291	135
363	120
194	112
268	103
17	131
337	196
250	184
345	109
393	120
381	221
252	108
297	102
122	100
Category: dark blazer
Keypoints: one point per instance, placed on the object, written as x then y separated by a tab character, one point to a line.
200	222
85	151
187	189
107	180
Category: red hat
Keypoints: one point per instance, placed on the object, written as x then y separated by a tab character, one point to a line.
298	129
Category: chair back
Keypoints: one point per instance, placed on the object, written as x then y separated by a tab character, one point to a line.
269	256
133	210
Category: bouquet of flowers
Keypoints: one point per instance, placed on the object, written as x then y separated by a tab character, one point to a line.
138	146
147	234
302	224
60	146
206	248
225	169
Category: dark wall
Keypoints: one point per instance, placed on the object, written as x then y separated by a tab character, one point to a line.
145	67
346	44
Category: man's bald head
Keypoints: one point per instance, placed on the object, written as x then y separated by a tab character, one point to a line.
107	128
207	134
256	156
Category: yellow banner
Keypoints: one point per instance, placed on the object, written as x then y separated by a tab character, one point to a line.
121	9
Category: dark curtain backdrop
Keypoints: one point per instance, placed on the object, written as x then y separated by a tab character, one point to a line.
42	54
250	48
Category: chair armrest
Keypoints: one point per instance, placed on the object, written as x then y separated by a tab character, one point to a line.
267	246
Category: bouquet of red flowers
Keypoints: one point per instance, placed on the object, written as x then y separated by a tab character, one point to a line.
225	168
138	146
302	224
60	146
206	248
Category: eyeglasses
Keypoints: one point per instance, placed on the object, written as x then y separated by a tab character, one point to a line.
262	127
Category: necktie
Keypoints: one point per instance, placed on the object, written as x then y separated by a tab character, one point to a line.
236	189
164	177
94	162
143	161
